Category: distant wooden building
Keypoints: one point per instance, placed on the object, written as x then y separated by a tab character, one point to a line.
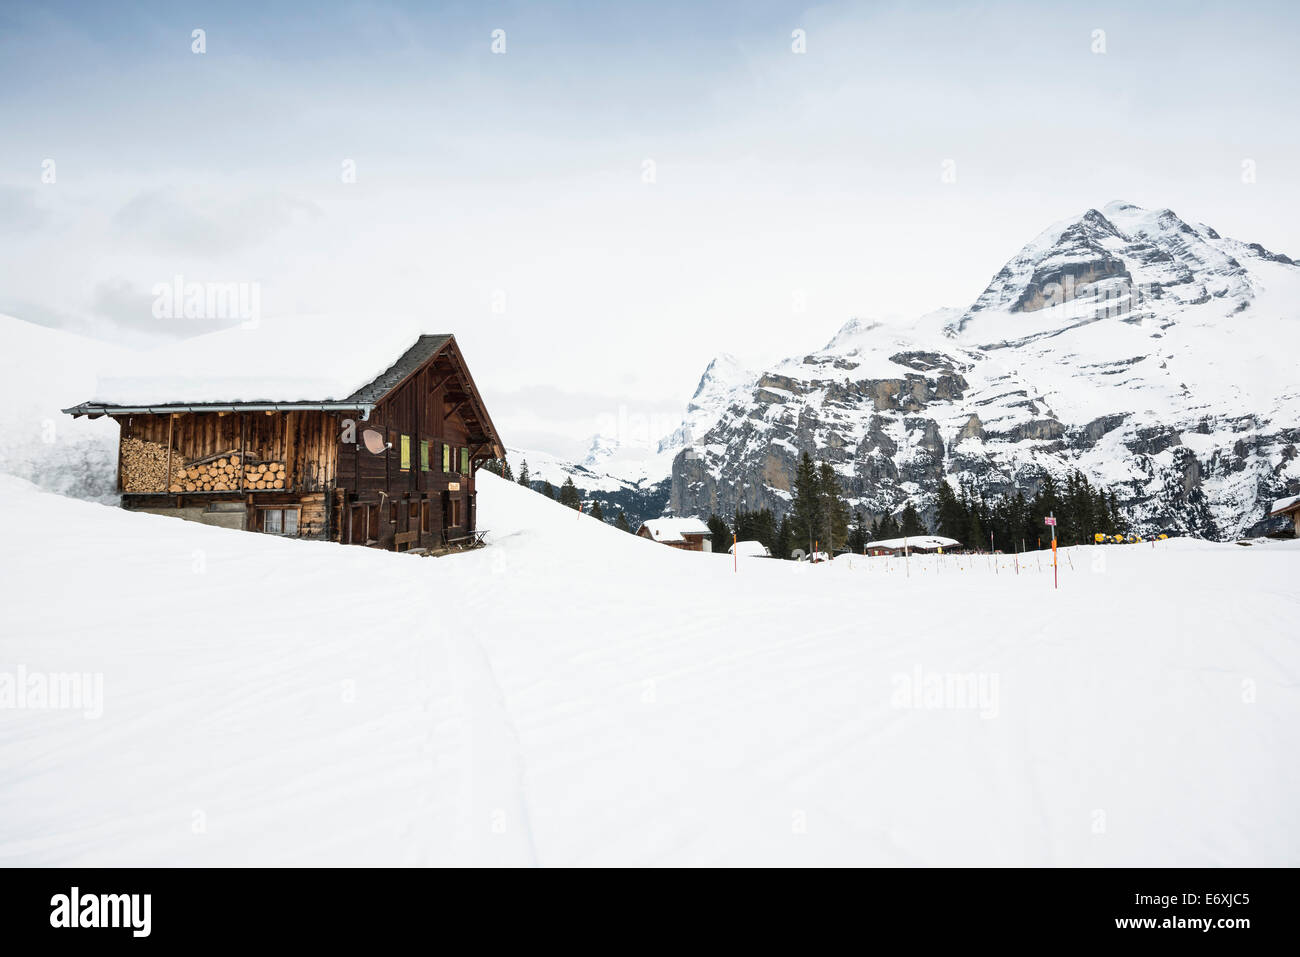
688	534
919	545
1288	508
390	465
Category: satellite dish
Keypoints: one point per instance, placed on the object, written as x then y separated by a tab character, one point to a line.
797	554
374	442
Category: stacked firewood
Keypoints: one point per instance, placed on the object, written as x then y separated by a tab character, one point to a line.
144	466
264	475
223	475
219	475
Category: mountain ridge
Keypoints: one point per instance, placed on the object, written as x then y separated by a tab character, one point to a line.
1143	350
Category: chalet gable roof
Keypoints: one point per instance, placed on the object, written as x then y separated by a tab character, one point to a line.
281	364
915	541
1284	506
413	359
673	529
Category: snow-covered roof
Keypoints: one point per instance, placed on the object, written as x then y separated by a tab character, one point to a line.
673	529
280	360
752	549
1284	505
919	541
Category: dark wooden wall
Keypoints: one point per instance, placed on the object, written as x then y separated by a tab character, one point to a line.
385	505
304	441
343	491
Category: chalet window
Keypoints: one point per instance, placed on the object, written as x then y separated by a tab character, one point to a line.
280	521
424	456
392	514
446	457
455	511
413	510
406	453
464	461
424	517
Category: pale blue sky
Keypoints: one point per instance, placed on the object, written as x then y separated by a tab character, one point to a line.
518	178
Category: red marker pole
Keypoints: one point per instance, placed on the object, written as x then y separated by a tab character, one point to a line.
1051	520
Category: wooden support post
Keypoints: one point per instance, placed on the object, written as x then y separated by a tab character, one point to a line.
167	480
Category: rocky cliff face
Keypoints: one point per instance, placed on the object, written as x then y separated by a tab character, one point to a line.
1154	355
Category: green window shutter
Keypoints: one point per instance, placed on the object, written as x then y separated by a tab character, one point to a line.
406	452
464	461
424	456
446	457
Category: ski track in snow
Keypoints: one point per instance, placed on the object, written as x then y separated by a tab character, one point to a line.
572	695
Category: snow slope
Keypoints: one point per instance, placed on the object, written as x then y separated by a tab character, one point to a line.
42	371
574	695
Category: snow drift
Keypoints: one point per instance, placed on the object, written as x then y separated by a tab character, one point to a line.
574	695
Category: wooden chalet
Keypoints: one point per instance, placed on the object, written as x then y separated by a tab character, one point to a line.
1288	508
688	534
390	465
916	545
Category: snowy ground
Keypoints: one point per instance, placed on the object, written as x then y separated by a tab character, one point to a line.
572	695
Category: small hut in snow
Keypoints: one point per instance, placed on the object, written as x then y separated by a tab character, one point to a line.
919	545
1288	508
688	534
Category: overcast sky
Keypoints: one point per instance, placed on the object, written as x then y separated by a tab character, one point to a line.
628	189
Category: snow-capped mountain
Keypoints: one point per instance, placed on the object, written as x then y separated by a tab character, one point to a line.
724	382
1152	354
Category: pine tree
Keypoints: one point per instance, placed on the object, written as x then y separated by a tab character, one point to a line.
1019	519
783	545
569	494
805	509
548	489
833	511
764	528
952	519
721	534
755	526
888	528
1046	502
596	513
506	472
911	524
621	522
523	474
975	537
858	534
